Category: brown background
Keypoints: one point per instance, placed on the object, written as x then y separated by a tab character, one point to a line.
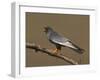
74	27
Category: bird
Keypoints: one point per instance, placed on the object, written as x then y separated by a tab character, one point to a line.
60	41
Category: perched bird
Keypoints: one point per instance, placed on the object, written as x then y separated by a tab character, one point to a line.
60	41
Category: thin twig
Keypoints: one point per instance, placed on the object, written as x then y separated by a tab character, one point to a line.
47	51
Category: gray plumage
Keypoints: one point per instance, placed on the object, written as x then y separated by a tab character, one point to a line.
60	41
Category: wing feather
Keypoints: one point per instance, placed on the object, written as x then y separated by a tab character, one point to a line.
60	40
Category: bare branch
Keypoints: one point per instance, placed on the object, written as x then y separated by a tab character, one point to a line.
47	51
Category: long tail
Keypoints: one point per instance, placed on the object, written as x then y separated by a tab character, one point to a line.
76	48
79	50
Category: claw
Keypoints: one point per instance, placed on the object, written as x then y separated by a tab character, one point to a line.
56	51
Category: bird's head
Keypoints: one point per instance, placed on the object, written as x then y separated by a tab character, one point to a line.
47	29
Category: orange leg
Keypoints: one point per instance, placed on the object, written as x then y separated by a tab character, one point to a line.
56	51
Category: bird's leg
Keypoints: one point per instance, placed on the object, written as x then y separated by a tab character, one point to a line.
56	51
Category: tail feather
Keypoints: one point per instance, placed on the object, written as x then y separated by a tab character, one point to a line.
77	49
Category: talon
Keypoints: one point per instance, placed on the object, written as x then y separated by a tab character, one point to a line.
56	51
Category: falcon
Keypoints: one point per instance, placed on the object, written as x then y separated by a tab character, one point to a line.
60	41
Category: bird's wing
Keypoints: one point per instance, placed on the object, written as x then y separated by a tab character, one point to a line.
69	44
58	39
64	42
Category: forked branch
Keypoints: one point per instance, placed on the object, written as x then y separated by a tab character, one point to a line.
47	51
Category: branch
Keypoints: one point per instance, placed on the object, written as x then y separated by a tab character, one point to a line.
47	51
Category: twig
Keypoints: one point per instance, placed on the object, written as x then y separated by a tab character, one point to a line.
47	51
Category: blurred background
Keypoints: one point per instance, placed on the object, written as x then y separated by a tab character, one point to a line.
74	27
